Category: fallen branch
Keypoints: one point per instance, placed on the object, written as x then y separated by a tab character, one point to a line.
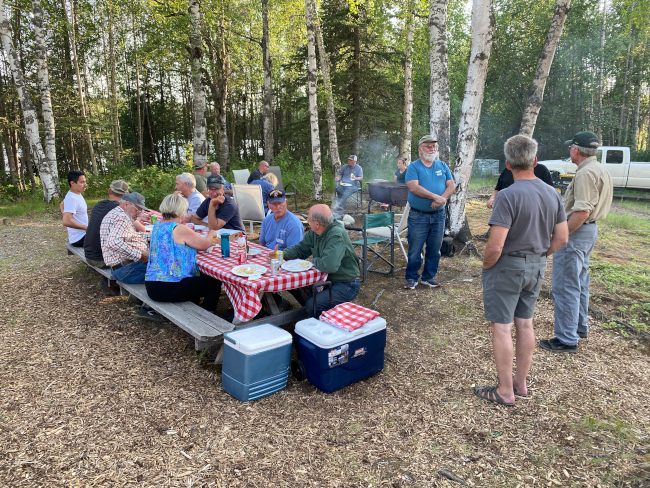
451	477
377	298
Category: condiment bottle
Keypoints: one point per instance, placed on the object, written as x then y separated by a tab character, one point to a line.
241	247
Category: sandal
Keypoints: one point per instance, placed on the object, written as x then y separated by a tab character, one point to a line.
490	394
514	388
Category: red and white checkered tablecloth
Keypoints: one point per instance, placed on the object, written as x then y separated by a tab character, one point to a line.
244	294
348	316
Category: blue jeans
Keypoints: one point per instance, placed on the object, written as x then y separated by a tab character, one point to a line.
342	194
132	274
342	292
571	284
424	229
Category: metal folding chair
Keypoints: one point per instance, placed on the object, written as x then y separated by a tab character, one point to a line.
249	200
278	174
241	176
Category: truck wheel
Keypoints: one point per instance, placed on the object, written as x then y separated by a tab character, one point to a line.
298	370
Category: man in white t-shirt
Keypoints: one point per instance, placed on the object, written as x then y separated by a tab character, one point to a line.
75	210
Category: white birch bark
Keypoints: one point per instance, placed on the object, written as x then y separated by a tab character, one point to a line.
407	109
115	119
44	86
601	73
439	104
82	104
49	178
536	96
198	99
327	85
312	77
138	100
482	35
267	89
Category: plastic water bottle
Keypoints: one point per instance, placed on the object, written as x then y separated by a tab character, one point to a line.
241	247
225	246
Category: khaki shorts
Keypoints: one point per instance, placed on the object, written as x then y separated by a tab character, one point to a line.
511	287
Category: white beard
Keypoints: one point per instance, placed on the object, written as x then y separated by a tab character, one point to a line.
429	159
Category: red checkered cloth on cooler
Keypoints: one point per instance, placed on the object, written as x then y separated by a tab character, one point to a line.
348	316
244	294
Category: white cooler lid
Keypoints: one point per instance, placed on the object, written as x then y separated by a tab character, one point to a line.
253	340
326	335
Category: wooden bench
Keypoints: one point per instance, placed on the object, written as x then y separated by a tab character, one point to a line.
79	252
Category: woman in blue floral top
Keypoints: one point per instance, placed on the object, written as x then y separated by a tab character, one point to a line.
172	272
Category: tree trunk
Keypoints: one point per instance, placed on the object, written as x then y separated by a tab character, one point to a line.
329	98
219	74
114	110
173	104
198	99
75	61
27	164
49	180
312	77
439	105
407	109
601	73
137	94
356	92
635	128
44	87
267	91
536	96
482	29
623	105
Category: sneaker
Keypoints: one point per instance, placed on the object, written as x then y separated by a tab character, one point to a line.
583	335
430	282
410	284
150	314
554	345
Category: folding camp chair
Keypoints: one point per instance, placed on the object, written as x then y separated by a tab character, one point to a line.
249	200
373	221
402	227
241	176
278	174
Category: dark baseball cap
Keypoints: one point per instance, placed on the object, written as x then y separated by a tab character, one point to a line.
214	181
200	165
135	198
119	187
584	139
277	196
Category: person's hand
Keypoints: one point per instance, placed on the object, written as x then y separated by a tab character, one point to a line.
338	178
145	218
178	193
490	203
270	255
438	201
212	234
215	202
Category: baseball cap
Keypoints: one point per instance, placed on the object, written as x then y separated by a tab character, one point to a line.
135	198
277	196
427	138
200	165
214	181
584	139
119	187
352	157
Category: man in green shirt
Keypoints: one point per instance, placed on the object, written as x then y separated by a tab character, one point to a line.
200	171
329	243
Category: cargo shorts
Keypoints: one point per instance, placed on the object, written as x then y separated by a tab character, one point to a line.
511	287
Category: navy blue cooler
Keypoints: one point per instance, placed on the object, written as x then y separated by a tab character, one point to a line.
331	358
256	361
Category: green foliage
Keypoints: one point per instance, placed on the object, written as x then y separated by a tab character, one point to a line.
614	276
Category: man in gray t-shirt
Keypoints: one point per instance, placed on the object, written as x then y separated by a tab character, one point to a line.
527	225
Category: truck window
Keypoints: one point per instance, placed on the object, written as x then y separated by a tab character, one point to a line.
614	157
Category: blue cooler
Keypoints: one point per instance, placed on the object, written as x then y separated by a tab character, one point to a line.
255	361
331	358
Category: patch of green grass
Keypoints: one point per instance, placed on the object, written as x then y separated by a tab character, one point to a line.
627	222
479	181
613	429
614	276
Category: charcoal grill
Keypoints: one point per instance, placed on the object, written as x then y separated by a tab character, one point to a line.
388	192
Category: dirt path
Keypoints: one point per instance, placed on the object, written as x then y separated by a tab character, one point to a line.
92	396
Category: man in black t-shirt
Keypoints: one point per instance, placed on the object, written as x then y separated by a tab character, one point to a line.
221	210
259	172
506	179
92	243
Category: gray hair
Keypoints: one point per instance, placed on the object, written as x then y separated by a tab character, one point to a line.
187	178
323	220
520	152
215	165
173	206
587	151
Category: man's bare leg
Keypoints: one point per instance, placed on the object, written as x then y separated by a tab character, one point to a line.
525	348
503	354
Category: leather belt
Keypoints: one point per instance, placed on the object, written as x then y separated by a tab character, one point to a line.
587	223
431	213
121	265
521	255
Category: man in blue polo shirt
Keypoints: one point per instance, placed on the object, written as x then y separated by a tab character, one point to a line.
280	228
430	184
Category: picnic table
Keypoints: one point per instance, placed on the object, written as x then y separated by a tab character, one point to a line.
245	294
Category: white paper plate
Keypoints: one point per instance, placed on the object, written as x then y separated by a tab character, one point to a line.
297	265
148	228
246	270
201	228
253	252
345	184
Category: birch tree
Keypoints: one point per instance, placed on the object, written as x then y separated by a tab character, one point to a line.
482	28
327	88
200	156
312	76
43	79
267	89
439	105
536	96
49	177
407	109
601	72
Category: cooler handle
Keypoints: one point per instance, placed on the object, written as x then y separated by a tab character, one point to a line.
314	288
229	339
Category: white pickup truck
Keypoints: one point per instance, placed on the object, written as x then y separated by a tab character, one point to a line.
625	173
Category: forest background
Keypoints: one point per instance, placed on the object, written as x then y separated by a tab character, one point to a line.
121	83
